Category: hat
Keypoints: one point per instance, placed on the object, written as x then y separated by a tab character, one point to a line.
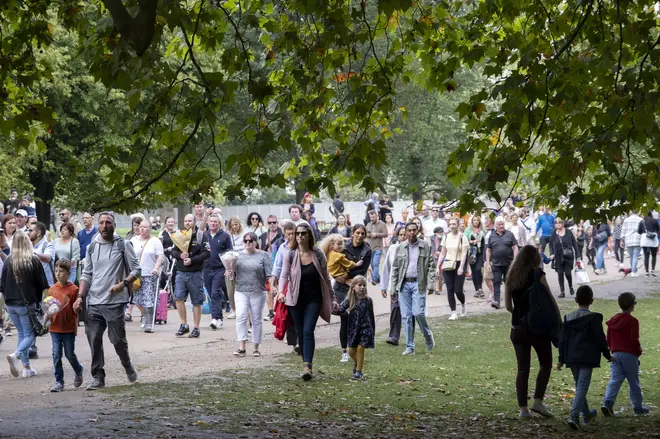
21	212
27	197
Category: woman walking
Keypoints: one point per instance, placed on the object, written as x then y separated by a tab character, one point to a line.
563	251
151	257
451	264
68	247
256	224
475	235
601	237
649	230
23	283
310	294
340	228
250	271
236	233
525	272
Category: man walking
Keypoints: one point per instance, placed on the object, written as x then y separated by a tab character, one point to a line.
214	272
66	217
631	239
500	251
270	242
294	212
433	223
86	235
43	249
110	269
189	280
545	225
413	272
376	232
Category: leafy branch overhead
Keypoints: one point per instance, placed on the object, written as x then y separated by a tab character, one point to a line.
264	94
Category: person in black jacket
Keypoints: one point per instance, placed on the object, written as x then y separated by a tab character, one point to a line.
564	251
23	283
649	231
581	343
189	279
355	250
601	236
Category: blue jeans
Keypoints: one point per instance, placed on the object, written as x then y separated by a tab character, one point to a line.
214	281
600	256
73	275
413	305
582	377
305	316
375	265
26	335
66	342
624	366
633	252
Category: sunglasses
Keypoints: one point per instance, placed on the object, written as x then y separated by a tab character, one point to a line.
301	233
254	218
248	241
272	222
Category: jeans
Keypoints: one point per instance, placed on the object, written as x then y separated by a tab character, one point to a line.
66	342
73	275
100	318
582	377
26	335
600	256
413	306
624	366
499	276
375	265
653	253
253	303
633	252
305	316
214	281
544	241
454	284
523	345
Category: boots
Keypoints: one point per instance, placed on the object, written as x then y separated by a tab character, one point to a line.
307	371
149	320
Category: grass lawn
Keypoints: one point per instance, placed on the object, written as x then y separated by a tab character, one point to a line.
465	388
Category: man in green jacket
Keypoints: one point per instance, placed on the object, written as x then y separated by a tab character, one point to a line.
413	273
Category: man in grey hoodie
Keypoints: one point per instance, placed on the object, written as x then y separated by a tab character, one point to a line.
110	269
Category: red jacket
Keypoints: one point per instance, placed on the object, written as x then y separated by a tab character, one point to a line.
623	334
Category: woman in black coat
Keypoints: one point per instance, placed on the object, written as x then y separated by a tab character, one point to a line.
564	252
649	229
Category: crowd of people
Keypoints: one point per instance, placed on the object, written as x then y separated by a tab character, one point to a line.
281	264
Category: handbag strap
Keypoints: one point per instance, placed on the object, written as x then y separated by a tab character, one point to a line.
459	247
144	247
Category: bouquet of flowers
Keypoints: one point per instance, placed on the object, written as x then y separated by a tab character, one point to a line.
228	259
42	318
182	238
52	305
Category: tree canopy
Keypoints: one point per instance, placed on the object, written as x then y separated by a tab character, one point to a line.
257	94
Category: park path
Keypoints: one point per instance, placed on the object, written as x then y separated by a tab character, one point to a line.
161	356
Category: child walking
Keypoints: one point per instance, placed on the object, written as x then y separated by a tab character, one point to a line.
581	343
64	326
361	323
623	339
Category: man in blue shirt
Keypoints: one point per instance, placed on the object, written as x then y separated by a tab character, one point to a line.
214	272
86	235
545	224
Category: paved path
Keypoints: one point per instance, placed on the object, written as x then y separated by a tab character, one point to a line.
162	356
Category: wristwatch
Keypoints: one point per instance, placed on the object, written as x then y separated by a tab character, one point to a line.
126	283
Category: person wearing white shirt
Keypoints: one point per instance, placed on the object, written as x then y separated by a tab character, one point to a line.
518	230
151	256
433	222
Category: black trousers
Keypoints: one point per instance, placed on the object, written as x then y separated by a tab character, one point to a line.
454	284
477	273
545	240
618	250
565	269
653	253
100	318
499	276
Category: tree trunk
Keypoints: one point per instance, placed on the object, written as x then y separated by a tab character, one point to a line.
44	192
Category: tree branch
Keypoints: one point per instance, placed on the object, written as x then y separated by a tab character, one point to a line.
577	30
138	30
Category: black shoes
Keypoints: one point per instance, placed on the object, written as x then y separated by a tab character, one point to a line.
183	329
194	333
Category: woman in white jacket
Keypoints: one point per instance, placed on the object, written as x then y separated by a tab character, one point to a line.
385	281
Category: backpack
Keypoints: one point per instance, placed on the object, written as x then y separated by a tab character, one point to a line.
121	246
537	314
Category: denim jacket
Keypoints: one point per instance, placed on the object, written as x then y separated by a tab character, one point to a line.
425	267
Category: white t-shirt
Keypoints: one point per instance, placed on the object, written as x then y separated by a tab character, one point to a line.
430	225
456	246
147	253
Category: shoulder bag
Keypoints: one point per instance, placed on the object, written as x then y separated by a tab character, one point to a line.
649	235
40	325
567	253
136	282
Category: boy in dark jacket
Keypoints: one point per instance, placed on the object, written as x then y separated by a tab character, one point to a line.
623	339
581	343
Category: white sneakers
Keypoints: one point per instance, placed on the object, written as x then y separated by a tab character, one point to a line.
27	373
344	357
231	315
463	311
453	316
635	274
216	324
13	364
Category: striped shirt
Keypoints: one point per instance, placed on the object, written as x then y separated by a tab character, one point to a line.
629	230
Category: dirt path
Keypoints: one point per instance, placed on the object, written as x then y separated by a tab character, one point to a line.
161	357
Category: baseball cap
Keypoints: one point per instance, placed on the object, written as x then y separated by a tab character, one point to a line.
21	212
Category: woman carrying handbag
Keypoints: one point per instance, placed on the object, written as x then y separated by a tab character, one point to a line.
563	251
649	230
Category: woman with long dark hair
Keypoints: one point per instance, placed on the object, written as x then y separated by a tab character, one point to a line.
310	294
255	224
649	230
23	283
523	273
564	250
9	226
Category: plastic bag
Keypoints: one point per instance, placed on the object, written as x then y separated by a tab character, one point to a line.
581	276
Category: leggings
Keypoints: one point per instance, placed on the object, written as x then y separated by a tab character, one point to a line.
653	252
565	269
523	345
343	332
454	284
477	274
357	354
